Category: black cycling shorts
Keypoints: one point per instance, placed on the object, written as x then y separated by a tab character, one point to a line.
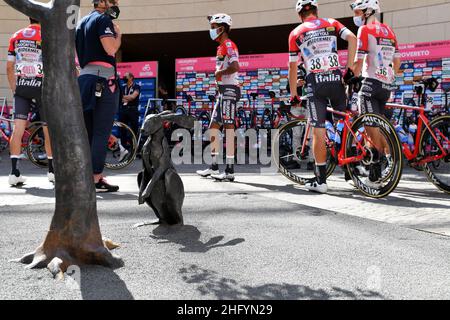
225	108
374	96
23	107
321	94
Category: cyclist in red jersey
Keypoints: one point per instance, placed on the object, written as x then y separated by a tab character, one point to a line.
25	76
315	40
227	79
378	62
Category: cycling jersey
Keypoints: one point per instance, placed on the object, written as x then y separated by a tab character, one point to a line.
316	41
227	53
378	46
26	51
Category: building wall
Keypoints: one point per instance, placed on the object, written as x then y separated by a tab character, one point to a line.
412	20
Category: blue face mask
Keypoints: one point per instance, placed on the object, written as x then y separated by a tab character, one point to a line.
359	21
214	34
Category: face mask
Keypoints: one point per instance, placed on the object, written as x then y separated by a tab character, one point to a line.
113	12
359	21
214	33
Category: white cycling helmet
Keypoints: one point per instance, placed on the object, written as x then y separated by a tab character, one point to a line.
301	4
221	18
369	6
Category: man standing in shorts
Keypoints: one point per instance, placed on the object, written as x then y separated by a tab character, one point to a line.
315	40
227	78
378	61
25	76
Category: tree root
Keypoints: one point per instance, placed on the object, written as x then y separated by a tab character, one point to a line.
58	259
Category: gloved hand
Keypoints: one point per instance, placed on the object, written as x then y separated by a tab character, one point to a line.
348	76
295	101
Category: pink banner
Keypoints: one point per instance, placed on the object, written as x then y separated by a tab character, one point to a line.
247	62
415	52
425	50
145	69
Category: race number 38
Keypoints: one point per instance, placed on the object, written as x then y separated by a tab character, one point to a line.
324	63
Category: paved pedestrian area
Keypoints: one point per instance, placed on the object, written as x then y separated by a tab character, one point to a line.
258	238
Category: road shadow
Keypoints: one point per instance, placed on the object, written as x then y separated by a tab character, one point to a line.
189	239
100	283
391	200
211	283
37	192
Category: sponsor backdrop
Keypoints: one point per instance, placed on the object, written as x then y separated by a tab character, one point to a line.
263	73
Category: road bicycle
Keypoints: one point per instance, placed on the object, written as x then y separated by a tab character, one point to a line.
427	145
349	146
121	149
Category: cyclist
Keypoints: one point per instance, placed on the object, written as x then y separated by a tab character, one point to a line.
378	61
316	41
25	77
227	78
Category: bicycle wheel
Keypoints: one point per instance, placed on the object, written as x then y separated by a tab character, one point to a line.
35	144
292	152
373	165
205	118
122	147
438	171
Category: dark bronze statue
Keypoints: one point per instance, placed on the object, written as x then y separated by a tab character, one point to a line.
160	186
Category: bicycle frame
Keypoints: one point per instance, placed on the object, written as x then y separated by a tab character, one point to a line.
342	160
422	124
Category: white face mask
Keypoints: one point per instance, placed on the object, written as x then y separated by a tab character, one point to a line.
359	21
214	33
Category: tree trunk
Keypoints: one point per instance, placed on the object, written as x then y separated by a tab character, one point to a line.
74	237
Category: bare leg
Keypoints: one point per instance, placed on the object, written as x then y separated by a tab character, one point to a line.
230	136
48	145
319	145
215	140
17	136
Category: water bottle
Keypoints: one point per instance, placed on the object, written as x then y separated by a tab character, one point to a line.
401	134
330	131
340	128
411	136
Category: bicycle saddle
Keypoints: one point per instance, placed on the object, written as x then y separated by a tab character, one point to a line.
431	84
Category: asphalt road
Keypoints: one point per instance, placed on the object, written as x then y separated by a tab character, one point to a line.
247	240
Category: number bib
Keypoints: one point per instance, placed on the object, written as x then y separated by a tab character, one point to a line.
321	55
384	62
29	69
